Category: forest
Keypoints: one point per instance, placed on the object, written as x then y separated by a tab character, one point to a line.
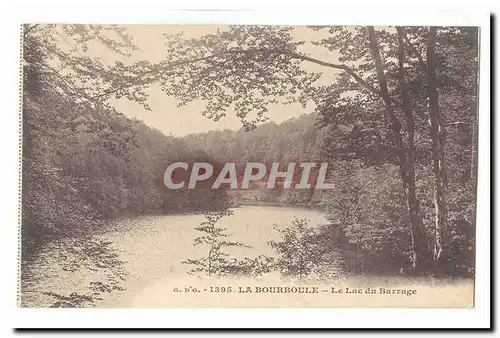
367	201
398	123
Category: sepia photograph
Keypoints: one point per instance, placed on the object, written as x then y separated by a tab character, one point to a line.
194	166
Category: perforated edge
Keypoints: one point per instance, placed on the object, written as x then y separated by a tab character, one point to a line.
19	165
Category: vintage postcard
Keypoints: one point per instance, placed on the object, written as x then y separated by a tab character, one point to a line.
248	166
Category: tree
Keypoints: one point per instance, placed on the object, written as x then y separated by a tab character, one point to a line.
84	162
246	68
438	132
299	251
216	262
406	161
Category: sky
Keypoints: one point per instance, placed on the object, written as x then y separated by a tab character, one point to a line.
179	121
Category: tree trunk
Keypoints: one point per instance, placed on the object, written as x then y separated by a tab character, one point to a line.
437	132
405	159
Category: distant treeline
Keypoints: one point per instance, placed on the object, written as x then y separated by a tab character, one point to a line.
367	202
83	165
401	141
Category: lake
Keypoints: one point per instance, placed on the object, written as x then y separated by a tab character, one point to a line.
153	248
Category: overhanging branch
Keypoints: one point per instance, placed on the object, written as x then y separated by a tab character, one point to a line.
253	51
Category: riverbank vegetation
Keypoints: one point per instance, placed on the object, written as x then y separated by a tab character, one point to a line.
84	164
397	122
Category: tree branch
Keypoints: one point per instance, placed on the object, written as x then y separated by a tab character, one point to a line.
291	54
336	66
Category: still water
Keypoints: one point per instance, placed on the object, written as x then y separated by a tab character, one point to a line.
153	249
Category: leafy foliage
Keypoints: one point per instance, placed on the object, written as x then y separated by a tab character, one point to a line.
217	262
85	163
299	251
74	299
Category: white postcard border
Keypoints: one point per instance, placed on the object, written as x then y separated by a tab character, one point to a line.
128	12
